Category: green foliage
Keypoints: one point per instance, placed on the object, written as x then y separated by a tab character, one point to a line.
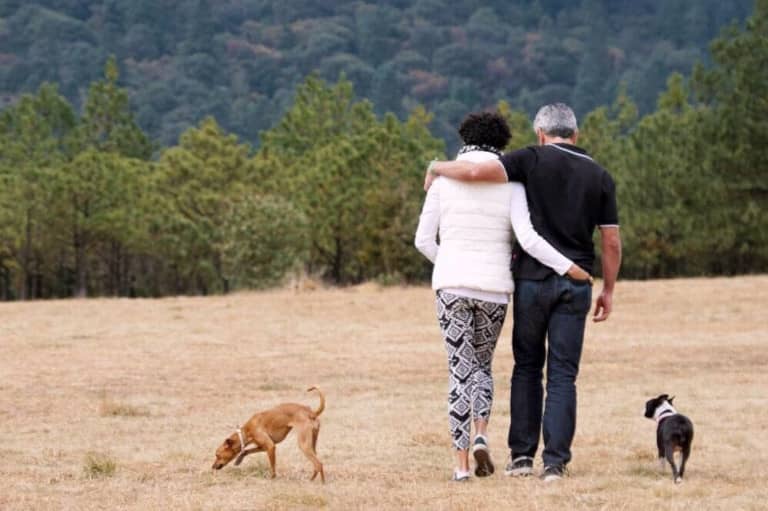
393	199
97	192
658	166
354	176
735	93
264	237
97	196
194	183
335	187
70	202
35	137
691	175
240	61
107	123
520	126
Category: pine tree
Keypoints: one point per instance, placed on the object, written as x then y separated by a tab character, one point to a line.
356	178
36	138
195	182
736	89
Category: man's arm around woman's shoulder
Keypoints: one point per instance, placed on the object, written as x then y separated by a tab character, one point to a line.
489	171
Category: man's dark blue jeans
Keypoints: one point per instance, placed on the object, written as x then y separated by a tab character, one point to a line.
556	309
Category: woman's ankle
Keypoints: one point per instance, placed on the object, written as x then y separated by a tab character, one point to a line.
462	460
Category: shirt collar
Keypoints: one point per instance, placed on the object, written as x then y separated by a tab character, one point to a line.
570	148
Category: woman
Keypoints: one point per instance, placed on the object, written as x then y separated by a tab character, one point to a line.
473	281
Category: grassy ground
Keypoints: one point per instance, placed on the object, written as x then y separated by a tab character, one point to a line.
120	404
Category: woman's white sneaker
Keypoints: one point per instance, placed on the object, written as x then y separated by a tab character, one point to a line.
459	476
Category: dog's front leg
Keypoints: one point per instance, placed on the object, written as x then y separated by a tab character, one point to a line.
271	455
246	453
660	447
266	443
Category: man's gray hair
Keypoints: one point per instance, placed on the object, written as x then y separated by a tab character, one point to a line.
556	120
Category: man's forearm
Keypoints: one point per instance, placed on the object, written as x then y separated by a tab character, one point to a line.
490	171
611	258
458	169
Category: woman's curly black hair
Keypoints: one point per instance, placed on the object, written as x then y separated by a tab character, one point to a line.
485	128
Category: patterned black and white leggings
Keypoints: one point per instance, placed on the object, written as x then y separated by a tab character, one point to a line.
471	328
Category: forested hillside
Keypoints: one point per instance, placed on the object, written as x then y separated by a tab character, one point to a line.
95	199
241	60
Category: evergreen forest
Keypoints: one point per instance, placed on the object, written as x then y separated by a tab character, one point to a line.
150	148
240	61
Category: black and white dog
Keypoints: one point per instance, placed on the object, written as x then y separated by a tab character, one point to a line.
674	433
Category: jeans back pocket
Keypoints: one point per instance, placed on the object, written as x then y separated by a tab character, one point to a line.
577	296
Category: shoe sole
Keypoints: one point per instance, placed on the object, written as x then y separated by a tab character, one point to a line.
484	466
551	479
519	472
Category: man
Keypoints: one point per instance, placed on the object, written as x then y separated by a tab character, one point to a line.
568	195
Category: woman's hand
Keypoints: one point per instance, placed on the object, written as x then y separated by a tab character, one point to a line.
576	272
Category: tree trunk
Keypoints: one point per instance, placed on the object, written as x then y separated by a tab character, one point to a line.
337	261
5	283
26	256
81	275
115	265
217	264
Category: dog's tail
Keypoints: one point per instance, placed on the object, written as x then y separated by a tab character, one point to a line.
322	401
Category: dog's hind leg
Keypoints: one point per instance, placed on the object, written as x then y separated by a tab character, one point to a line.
307	440
315	433
686	453
669	453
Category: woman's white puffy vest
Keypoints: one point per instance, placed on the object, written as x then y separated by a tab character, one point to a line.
475	234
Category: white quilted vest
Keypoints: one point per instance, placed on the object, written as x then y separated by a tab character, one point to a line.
475	233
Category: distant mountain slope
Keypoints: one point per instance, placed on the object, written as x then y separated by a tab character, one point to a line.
240	60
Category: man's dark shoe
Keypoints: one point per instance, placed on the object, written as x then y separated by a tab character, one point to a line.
553	473
520	466
484	466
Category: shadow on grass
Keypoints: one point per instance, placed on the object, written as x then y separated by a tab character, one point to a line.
254	469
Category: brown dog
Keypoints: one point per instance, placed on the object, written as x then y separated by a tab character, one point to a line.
268	428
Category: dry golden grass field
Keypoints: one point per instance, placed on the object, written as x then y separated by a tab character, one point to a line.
120	404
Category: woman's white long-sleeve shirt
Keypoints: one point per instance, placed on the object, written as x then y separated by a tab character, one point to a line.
475	222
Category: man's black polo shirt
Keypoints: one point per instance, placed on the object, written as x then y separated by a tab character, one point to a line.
568	195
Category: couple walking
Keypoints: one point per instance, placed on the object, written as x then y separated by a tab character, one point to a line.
552	196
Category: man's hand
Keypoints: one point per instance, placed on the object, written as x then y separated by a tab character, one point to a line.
611	244
603	306
576	272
